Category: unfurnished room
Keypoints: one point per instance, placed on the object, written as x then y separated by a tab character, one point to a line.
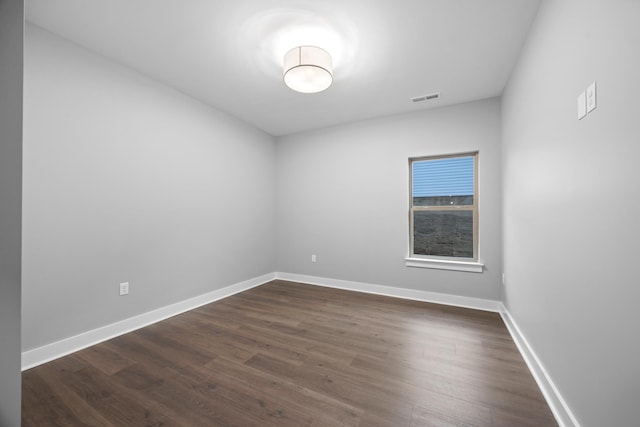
319	213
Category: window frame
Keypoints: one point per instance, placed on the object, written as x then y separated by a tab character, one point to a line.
446	262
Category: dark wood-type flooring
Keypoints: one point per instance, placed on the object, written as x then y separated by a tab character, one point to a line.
288	354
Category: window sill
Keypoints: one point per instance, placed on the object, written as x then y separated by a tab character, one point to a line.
445	264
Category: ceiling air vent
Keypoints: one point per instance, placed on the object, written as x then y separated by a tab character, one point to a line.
426	97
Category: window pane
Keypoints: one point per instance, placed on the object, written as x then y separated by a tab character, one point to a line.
443	177
443	233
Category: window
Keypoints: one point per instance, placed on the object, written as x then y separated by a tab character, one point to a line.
444	211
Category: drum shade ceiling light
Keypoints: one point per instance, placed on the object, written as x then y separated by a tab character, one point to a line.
308	69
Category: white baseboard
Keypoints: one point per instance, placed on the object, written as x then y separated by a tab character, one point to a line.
559	407
46	353
412	294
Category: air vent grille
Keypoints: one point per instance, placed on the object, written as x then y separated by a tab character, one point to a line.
426	97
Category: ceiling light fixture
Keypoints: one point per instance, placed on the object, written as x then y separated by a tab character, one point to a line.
308	69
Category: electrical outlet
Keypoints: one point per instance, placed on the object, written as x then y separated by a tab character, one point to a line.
591	97
582	105
313	258
124	288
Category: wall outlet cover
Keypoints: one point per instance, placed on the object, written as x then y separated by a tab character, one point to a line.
582	105
591	97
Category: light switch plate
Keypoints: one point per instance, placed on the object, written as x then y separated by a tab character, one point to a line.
591	97
582	105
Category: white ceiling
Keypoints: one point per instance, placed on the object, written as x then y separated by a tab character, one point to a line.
228	53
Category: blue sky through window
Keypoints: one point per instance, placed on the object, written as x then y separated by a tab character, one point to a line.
443	177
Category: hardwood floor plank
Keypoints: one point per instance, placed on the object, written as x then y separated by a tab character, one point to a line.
445	412
58	405
137	377
292	355
355	389
301	345
324	409
507	418
105	359
159	340
434	374
271	365
112	401
36	393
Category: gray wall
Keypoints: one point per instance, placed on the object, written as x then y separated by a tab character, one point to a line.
343	195
11	45
127	180
571	204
